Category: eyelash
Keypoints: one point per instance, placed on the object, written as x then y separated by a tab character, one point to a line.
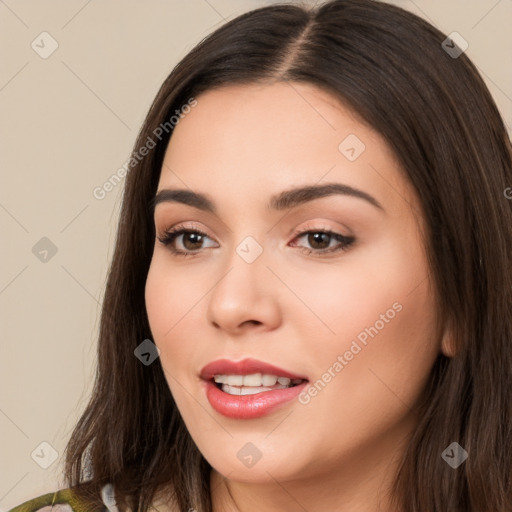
171	235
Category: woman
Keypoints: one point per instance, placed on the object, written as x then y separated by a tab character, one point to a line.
309	304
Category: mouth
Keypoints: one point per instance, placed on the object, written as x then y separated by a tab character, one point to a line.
249	376
249	389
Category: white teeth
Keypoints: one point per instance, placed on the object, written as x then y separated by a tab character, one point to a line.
269	380
233	390
235	380
255	380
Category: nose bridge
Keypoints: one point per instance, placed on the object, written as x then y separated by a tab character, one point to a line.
246	248
244	269
243	292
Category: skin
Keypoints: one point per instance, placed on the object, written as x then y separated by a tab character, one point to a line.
239	146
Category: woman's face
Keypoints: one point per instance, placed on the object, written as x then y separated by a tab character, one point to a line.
353	312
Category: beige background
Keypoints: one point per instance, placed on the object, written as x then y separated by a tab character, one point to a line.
68	123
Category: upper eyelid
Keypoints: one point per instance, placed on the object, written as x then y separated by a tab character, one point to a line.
179	229
310	224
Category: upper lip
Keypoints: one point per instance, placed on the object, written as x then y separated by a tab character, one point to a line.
244	367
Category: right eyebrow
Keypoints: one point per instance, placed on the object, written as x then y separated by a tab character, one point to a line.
195	199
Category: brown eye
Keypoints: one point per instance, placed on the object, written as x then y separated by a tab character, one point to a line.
320	241
190	241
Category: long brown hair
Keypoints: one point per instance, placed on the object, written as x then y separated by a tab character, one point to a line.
440	120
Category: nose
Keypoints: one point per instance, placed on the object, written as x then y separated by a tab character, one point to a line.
245	297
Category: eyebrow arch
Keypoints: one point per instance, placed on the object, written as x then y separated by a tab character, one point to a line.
282	201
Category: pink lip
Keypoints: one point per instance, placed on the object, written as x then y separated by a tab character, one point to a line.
247	406
244	367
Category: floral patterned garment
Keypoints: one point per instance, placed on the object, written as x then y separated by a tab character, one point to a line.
66	500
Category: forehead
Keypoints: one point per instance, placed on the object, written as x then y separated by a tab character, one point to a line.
255	140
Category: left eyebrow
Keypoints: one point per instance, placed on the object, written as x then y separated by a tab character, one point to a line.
282	201
296	196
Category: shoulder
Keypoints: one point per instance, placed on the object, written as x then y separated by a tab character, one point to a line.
68	500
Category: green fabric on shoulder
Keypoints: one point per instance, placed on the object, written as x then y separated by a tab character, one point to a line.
62	497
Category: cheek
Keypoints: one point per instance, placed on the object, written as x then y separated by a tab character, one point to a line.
381	309
173	304
175	310
364	288
168	299
170	294
378	297
377	381
158	301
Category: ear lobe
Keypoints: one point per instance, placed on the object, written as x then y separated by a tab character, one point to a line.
448	341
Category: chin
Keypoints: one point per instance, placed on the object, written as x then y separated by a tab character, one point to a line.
255	462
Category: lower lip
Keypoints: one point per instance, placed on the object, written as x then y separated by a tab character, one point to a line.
245	407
